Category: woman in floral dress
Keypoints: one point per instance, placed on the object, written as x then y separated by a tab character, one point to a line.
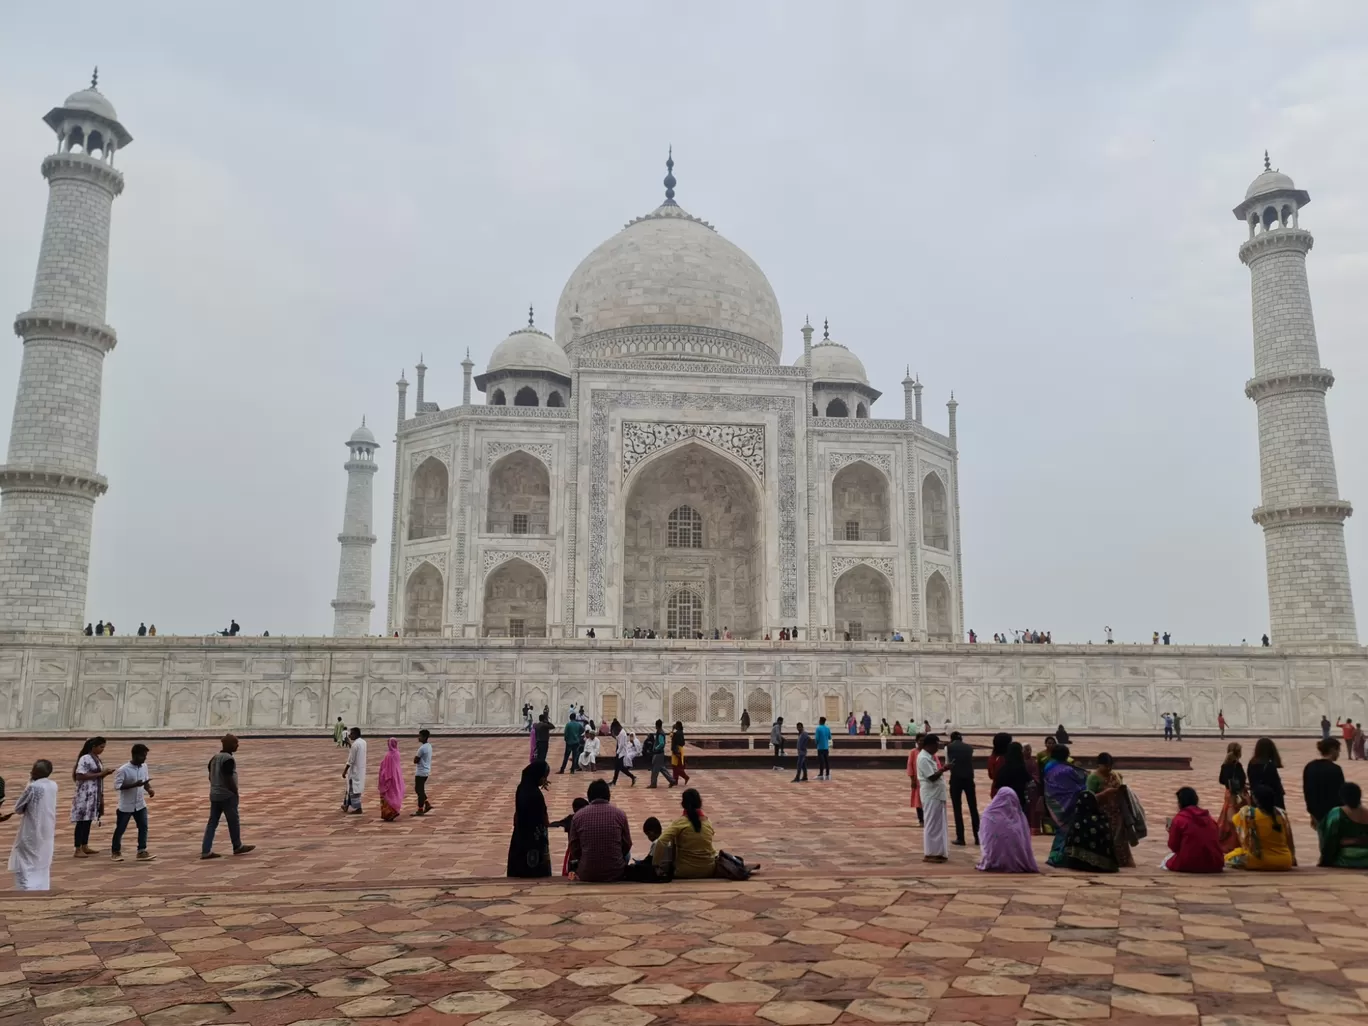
87	803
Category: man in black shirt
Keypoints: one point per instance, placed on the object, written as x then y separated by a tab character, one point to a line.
961	758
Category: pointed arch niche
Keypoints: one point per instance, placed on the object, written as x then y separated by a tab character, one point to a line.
519	496
859	504
423	602
940	624
935	513
428	500
514	601
864	603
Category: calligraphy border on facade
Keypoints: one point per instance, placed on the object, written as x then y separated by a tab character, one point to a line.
437	559
641	438
879	460
495	451
604	400
492	559
840	565
442	452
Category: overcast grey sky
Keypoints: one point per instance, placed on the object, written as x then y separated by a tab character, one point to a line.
1029	203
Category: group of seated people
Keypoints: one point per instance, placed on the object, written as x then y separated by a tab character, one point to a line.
600	841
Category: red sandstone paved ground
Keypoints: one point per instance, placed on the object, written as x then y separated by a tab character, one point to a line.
339	919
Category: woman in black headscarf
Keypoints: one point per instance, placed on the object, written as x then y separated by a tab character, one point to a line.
529	849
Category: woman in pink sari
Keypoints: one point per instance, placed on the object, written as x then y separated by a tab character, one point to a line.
1006	836
391	783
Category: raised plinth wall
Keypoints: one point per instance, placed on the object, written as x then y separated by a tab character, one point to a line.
55	682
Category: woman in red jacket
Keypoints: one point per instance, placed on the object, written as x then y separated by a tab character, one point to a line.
1194	839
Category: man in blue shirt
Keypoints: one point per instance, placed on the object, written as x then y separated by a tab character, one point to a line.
801	772
574	742
823	735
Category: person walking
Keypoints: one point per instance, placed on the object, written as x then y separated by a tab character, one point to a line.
659	742
1325	727
626	750
745	720
822	736
339	732
777	742
800	773
87	803
961	757
574	741
1168	726
1221	722
542	735
355	773
866	722
142	630
422	769
223	800
931	786
391	782
31	857
133	787
1178	725
677	754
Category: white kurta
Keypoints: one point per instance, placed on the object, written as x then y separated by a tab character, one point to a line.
935	837
356	767
31	857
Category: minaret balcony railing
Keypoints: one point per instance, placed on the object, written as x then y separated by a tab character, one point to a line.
62	327
1316	380
1326	511
51	480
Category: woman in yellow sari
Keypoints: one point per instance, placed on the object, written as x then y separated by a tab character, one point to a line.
1114	801
1265	836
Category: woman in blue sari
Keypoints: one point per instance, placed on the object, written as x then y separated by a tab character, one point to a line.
1063	785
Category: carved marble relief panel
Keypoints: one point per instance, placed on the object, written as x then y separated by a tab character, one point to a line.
744	441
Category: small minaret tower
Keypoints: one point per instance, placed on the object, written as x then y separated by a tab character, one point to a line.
909	410
353	604
467	366
49	483
1301	513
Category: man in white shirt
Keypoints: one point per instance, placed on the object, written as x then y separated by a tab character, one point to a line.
355	773
132	785
931	786
422	768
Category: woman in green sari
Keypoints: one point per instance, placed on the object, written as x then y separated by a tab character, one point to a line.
1344	832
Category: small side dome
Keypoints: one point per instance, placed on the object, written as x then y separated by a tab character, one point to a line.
93	101
833	362
362	435
528	349
1269	181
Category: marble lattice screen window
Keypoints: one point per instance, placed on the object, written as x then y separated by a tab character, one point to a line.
684	614
856	629
517	628
519	523
685	529
852	530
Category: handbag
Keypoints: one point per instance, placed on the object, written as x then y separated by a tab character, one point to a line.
731	867
1137	812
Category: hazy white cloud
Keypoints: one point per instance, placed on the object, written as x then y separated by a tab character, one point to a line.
1030	205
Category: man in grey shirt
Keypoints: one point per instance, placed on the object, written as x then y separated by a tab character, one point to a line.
223	800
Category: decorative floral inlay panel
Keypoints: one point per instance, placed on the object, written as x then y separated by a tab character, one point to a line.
541	450
881	460
930	568
496	557
412	563
442	452
840	564
744	441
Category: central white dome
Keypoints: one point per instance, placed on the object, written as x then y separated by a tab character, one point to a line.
671	269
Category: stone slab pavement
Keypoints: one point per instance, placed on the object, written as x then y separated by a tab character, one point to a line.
342	920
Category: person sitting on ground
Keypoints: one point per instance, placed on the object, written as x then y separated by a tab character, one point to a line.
600	839
1343	833
1265	835
1194	839
1006	835
1088	843
692	837
1321	781
1061	735
644	870
564	823
898	728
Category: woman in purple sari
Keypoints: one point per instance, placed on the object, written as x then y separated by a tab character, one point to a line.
1006	836
1063	784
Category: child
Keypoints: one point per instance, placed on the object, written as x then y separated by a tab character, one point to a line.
643	870
31	859
579	803
422	768
131	783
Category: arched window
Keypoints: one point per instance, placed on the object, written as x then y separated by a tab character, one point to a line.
861	411
428	500
497	399
859	504
95	144
423	602
1270	218
939	623
519	496
76	140
684	614
814	410
685	529
555	400
935	513
837	408
527	396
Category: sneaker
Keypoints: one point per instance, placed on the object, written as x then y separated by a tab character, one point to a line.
80	854
115	857
210	855
144	856
244	849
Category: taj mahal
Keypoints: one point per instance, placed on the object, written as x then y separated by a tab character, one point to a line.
638	506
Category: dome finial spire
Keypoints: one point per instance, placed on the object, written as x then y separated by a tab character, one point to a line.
95	77
529	315
669	176
1267	165
826	330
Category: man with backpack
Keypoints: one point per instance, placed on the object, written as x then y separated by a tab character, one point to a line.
656	748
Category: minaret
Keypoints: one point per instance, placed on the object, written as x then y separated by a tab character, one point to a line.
49	483
402	385
467	365
1301	513
909	410
916	398
353	604
422	373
